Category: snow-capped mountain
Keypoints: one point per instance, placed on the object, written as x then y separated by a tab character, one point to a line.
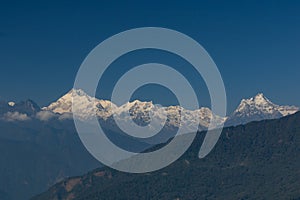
258	108
252	109
139	111
85	105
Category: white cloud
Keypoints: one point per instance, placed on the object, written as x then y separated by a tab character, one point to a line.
45	115
15	116
66	116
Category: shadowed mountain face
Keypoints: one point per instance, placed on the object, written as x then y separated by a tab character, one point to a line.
259	160
27	107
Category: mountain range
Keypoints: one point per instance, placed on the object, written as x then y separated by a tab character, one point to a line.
40	146
251	109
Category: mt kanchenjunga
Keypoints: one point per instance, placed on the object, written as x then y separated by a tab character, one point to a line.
139	111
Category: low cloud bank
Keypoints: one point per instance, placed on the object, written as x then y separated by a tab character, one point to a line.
45	115
15	116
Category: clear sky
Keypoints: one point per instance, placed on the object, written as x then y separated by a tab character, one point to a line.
255	44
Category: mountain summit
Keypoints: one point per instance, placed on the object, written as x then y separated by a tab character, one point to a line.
258	108
88	105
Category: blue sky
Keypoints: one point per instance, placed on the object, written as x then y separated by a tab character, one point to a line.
255	44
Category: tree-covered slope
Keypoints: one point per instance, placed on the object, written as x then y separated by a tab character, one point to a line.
260	160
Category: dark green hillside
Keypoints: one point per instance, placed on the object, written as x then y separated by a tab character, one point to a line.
260	160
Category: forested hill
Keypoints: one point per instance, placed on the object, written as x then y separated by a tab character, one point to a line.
260	160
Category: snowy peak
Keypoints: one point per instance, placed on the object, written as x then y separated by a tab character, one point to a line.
258	108
62	105
262	103
259	102
85	105
260	99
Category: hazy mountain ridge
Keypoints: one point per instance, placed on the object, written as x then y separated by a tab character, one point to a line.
258	160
